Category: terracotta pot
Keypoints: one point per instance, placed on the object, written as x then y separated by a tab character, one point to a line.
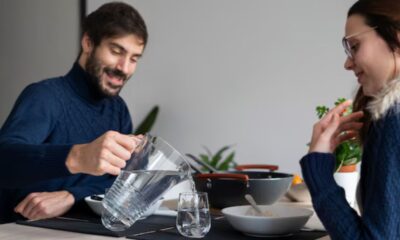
348	168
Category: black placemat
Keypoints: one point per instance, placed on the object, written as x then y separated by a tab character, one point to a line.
221	229
239	236
94	226
161	220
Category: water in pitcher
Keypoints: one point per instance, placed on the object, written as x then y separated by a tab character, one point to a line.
133	192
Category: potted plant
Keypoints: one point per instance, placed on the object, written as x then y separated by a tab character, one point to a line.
217	160
347	155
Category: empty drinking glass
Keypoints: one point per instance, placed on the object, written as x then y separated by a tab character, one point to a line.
193	218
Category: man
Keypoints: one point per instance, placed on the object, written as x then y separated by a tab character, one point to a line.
63	129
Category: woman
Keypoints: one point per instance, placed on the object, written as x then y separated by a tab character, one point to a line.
373	53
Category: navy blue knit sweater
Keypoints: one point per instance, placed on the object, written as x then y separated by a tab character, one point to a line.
48	118
379	185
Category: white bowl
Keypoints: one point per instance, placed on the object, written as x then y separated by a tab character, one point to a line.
284	220
299	193
97	207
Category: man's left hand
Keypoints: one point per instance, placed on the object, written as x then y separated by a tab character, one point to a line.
40	205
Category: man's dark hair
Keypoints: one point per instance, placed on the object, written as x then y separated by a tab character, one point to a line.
112	20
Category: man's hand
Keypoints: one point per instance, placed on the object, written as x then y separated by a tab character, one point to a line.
45	204
106	154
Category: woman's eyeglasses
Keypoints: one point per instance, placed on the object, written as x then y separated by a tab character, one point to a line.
348	48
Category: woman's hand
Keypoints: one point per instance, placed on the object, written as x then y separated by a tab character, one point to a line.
334	129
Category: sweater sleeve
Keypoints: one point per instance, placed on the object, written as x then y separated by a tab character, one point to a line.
328	198
381	210
83	190
24	158
98	187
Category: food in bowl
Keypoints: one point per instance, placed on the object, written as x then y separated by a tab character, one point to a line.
96	205
296	179
284	220
265	212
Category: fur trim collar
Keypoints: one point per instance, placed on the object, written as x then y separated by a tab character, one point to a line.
385	99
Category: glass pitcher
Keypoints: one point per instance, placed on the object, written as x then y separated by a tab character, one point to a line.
154	168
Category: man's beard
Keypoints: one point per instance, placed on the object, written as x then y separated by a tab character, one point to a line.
94	69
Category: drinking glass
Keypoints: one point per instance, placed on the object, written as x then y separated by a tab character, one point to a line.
193	220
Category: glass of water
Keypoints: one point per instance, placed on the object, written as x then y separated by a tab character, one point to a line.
193	220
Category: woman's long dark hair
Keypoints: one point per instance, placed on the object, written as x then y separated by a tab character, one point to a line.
385	16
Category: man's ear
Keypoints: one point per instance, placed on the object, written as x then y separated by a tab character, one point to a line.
87	44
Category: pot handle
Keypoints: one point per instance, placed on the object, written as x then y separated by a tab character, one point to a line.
236	176
257	166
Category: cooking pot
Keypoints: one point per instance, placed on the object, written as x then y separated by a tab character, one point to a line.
228	188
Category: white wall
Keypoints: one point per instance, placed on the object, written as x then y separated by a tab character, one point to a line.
39	39
240	72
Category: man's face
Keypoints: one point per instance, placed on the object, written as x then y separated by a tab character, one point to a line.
113	62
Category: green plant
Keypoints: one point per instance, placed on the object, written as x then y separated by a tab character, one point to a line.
349	152
146	125
217	160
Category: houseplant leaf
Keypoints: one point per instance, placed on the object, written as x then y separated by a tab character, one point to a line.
217	157
226	163
205	159
215	160
146	125
209	153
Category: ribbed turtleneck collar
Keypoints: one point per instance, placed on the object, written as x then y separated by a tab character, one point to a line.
79	81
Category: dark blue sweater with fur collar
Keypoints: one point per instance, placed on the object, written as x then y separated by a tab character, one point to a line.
379	182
